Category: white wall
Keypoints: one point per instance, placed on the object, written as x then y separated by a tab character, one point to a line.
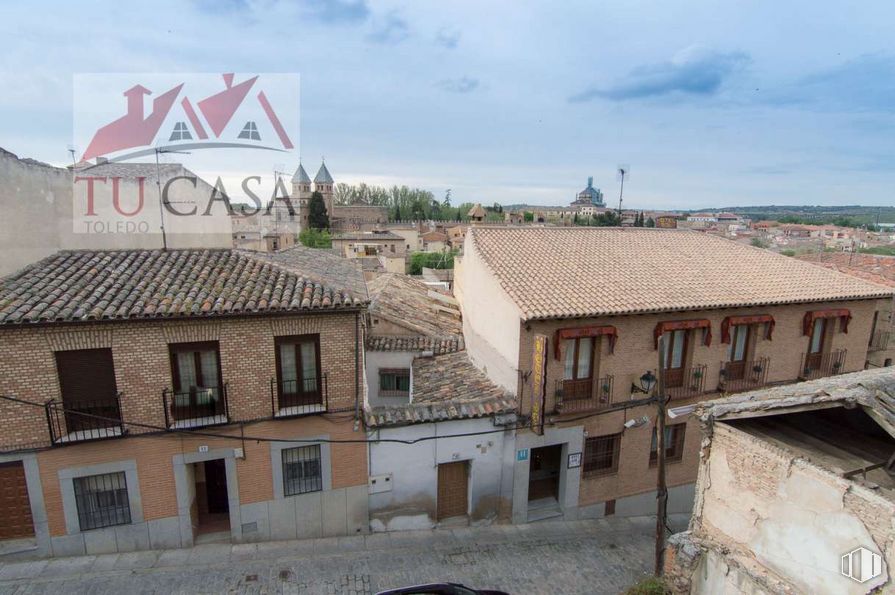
375	360
411	502
491	320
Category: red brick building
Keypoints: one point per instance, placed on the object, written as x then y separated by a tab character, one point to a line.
159	398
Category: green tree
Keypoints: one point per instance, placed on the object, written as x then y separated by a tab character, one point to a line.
528	216
759	243
315	238
650	222
318	218
788	252
607	219
446	203
431	260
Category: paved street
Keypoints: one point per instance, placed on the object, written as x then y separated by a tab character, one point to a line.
597	556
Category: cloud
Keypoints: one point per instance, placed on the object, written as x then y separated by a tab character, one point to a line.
865	83
448	38
694	71
335	12
461	85
390	29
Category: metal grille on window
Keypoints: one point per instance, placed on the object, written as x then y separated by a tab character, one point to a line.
102	500
601	454
302	470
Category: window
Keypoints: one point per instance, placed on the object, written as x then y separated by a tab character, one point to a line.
674	444
250	131
102	500
302	470
197	380
601	454
394	383
180	132
87	382
819	334
579	356
298	370
741	340
676	348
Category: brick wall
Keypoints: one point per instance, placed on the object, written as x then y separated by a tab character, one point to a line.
143	369
635	353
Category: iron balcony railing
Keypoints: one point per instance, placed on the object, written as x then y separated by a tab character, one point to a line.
819	365
743	375
196	407
582	395
84	420
683	383
291	398
881	341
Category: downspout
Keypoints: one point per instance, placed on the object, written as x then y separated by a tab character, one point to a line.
356	368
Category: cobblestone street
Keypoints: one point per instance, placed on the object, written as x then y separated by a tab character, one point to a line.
595	556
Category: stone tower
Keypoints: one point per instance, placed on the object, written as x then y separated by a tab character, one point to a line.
323	183
301	194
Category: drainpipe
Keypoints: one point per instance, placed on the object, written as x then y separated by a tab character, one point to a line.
356	368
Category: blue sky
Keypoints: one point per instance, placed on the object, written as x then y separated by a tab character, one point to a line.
710	103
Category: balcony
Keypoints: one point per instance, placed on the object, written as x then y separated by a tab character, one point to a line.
84	420
683	383
820	365
579	395
744	375
195	408
881	341
293	398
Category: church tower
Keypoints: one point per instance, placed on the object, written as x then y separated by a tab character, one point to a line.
301	194
323	183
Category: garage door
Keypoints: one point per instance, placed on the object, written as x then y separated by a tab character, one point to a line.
452	489
15	510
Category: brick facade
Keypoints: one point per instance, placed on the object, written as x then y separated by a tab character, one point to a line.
635	353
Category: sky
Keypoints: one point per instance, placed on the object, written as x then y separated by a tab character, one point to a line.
709	103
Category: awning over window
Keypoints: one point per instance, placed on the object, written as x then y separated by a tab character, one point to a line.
676	325
843	314
738	320
584	331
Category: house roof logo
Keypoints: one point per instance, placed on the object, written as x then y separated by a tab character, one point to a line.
229	118
861	565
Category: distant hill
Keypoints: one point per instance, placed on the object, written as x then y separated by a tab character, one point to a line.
814	213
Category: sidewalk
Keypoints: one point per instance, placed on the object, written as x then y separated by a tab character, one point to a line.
594	556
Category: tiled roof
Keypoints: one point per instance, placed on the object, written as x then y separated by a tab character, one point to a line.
580	271
362	236
114	169
870	267
406	302
323	176
322	266
476	211
436	346
300	176
72	286
445	387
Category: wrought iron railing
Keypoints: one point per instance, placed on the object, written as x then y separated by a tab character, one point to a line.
683	383
583	395
819	365
84	420
743	375
290	398
196	407
881	341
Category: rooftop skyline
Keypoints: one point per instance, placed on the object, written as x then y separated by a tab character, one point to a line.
710	105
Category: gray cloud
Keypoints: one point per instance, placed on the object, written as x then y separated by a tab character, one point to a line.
448	38
338	11
464	84
694	71
390	29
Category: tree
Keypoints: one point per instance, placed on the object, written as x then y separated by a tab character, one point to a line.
650	222
315	238
446	203
759	243
607	219
318	218
397	213
528	216
575	220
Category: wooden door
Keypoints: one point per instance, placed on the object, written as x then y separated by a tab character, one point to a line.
453	484
740	346
676	347
216	486
15	509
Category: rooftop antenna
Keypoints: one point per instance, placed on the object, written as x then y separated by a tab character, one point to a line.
73	149
623	170
158	184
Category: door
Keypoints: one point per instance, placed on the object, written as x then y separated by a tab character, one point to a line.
216	486
675	357
740	344
543	472
15	508
819	331
578	368
453	485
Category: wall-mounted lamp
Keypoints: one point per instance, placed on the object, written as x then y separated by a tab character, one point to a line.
647	382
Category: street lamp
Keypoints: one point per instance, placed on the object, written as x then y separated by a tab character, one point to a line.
647	381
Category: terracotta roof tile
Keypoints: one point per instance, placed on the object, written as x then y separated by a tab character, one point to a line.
576	272
870	267
73	286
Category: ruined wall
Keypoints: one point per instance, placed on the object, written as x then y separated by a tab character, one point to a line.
760	504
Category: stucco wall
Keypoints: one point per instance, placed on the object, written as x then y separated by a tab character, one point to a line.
794	517
491	320
377	360
411	502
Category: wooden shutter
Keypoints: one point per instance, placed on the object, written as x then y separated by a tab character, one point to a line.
452	489
86	375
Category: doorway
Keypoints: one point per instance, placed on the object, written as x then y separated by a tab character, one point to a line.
453	488
212	499
543	473
15	507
